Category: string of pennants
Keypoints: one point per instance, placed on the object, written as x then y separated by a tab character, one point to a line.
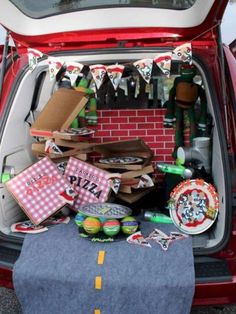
144	66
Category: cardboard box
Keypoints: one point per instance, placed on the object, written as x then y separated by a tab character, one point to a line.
130	148
59	112
134	196
136	173
88	146
130	185
39	190
38	149
69	136
92	184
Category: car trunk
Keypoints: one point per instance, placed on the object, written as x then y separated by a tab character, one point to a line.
109	39
118	120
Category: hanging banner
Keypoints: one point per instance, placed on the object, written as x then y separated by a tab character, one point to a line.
144	67
33	56
72	71
163	61
54	66
98	72
114	73
184	53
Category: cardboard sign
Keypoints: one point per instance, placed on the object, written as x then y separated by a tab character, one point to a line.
91	183
39	190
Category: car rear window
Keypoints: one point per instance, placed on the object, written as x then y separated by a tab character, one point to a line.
44	8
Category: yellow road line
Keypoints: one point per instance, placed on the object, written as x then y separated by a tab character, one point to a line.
101	257
98	282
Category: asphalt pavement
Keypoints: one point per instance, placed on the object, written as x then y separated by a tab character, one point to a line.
8	302
10	305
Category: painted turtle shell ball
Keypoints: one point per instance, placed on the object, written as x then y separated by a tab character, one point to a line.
79	218
92	225
102	220
111	227
129	225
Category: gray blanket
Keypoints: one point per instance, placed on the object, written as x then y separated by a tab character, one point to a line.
56	272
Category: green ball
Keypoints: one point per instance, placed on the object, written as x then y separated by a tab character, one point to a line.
111	227
92	225
129	225
79	219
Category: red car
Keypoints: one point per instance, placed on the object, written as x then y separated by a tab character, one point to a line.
123	32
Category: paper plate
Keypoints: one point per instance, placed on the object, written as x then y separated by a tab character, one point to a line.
105	210
193	206
128	160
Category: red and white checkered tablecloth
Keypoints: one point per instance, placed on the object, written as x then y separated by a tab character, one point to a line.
91	183
37	190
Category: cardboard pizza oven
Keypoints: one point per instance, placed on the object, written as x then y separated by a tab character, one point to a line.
131	148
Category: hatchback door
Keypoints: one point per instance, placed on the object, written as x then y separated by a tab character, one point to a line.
83	24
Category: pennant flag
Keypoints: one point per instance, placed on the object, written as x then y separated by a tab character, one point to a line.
114	73
144	67
184	52
163	61
98	72
33	56
115	184
72	70
54	66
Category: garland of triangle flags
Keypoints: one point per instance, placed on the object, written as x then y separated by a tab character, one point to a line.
144	66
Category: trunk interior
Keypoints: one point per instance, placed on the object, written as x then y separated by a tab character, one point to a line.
121	117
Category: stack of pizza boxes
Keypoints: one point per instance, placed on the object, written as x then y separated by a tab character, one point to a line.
42	190
131	161
61	176
52	129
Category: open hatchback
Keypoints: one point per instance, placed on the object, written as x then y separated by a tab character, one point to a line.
122	33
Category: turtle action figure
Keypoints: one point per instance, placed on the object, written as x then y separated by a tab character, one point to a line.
183	97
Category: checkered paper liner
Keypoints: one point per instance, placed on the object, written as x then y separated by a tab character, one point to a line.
37	190
105	210
91	183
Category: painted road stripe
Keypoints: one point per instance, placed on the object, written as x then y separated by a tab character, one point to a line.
98	282
97	311
101	257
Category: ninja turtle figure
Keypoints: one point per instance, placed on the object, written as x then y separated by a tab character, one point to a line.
182	98
89	115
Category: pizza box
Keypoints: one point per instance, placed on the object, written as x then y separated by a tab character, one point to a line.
40	190
134	154
92	184
79	145
77	135
136	173
59	112
38	149
134	184
134	196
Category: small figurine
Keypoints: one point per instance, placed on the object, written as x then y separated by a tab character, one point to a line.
91	115
85	117
183	97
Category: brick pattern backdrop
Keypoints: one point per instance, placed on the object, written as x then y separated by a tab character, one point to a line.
114	125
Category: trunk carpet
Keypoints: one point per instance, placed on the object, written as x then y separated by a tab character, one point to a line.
58	272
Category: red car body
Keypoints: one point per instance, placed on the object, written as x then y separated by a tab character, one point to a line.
206	42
